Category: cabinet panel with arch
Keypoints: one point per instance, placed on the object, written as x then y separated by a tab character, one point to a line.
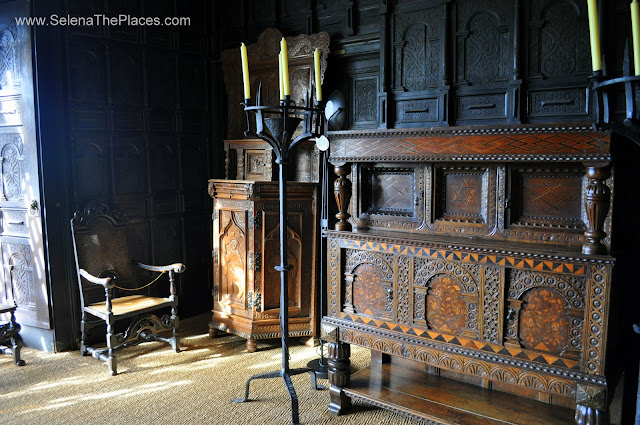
246	248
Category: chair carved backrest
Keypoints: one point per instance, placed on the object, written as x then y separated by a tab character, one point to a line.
101	248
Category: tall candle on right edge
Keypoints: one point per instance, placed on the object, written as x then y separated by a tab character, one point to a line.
594	35
635	31
316	64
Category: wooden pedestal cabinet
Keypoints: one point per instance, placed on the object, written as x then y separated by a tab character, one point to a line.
246	247
478	273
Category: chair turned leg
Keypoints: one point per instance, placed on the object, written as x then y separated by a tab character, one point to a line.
15	340
16	346
83	335
175	344
111	343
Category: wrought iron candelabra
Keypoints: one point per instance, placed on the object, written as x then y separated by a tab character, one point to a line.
281	123
630	126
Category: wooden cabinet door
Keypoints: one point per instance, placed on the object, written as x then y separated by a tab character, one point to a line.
23	277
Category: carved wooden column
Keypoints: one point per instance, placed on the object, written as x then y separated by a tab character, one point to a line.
513	318
339	376
342	192
597	198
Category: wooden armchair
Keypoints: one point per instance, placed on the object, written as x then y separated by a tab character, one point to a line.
110	284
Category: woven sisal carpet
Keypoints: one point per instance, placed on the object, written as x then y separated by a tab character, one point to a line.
157	386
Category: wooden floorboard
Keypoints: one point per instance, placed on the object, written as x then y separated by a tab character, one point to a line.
448	401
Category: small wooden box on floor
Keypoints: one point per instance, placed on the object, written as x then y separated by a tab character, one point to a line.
246	247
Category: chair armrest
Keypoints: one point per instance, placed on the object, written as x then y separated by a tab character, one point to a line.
176	267
104	281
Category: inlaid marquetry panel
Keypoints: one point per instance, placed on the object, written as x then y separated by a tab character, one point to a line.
368	281
547	312
497	257
446	296
547	196
461	193
388	191
391	196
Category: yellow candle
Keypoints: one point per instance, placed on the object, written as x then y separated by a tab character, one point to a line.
280	76
316	64
285	66
245	71
594	34
635	31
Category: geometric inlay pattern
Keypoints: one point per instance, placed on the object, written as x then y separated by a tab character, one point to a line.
460	341
518	144
468	257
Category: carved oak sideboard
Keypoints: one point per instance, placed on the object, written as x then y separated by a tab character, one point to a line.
474	264
246	247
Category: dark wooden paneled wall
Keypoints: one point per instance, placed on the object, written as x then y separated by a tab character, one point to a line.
129	123
424	63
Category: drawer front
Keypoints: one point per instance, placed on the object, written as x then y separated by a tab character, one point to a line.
416	111
14	222
482	107
556	103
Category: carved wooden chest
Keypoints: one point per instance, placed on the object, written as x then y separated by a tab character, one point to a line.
478	256
246	247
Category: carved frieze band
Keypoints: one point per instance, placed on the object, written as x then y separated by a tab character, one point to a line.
524	143
505	260
539	380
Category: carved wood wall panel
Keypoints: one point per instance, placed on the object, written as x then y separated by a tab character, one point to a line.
138	107
453	62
